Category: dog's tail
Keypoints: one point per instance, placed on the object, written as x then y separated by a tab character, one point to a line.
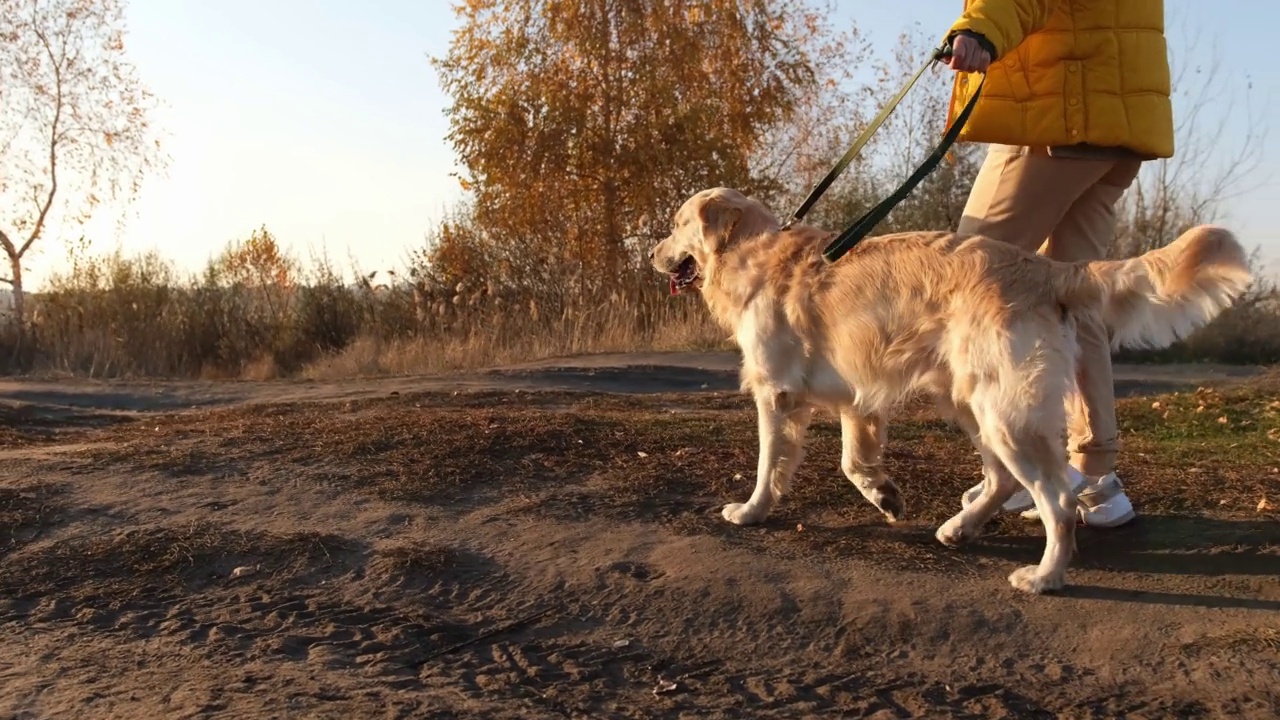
1161	296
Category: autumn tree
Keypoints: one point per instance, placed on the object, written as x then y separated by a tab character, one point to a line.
75	122
261	274
582	124
255	262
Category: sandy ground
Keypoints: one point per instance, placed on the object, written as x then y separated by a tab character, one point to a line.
543	541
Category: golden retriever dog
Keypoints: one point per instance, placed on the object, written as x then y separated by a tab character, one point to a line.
986	329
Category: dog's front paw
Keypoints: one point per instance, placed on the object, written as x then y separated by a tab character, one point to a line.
1029	579
742	513
880	492
888	500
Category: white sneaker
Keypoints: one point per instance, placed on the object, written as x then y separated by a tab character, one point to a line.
1102	502
1021	500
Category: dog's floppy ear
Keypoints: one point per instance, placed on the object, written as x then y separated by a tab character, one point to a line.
718	221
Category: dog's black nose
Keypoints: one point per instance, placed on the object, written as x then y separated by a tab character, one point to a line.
651	252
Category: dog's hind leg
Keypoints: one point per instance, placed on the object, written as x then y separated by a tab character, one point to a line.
1033	451
863	437
782	428
998	484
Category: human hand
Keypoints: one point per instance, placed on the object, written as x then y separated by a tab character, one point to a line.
968	54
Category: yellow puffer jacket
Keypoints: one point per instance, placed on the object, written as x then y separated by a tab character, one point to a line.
1069	72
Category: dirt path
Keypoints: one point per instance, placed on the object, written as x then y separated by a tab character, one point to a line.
383	528
612	373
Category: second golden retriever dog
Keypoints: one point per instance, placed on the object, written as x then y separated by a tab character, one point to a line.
986	329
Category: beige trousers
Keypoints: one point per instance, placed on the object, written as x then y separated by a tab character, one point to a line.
1064	207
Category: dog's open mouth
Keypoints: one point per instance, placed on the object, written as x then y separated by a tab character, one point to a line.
685	276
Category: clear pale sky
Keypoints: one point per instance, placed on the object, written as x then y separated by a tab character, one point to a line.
324	121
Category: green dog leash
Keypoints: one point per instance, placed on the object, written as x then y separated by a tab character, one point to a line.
863	225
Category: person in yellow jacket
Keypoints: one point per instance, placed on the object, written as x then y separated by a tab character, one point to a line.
1076	97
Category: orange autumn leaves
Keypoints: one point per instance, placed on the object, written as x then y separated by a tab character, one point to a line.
581	124
256	262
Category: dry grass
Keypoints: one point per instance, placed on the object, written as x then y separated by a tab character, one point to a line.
489	342
415	565
136	316
23	424
157	562
16	429
257	314
26	512
1259	641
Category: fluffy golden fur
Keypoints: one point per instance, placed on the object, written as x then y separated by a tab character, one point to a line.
986	329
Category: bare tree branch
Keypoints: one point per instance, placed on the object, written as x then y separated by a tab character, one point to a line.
56	61
1205	172
74	118
7	244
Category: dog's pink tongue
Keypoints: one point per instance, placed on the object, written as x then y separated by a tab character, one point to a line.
674	291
